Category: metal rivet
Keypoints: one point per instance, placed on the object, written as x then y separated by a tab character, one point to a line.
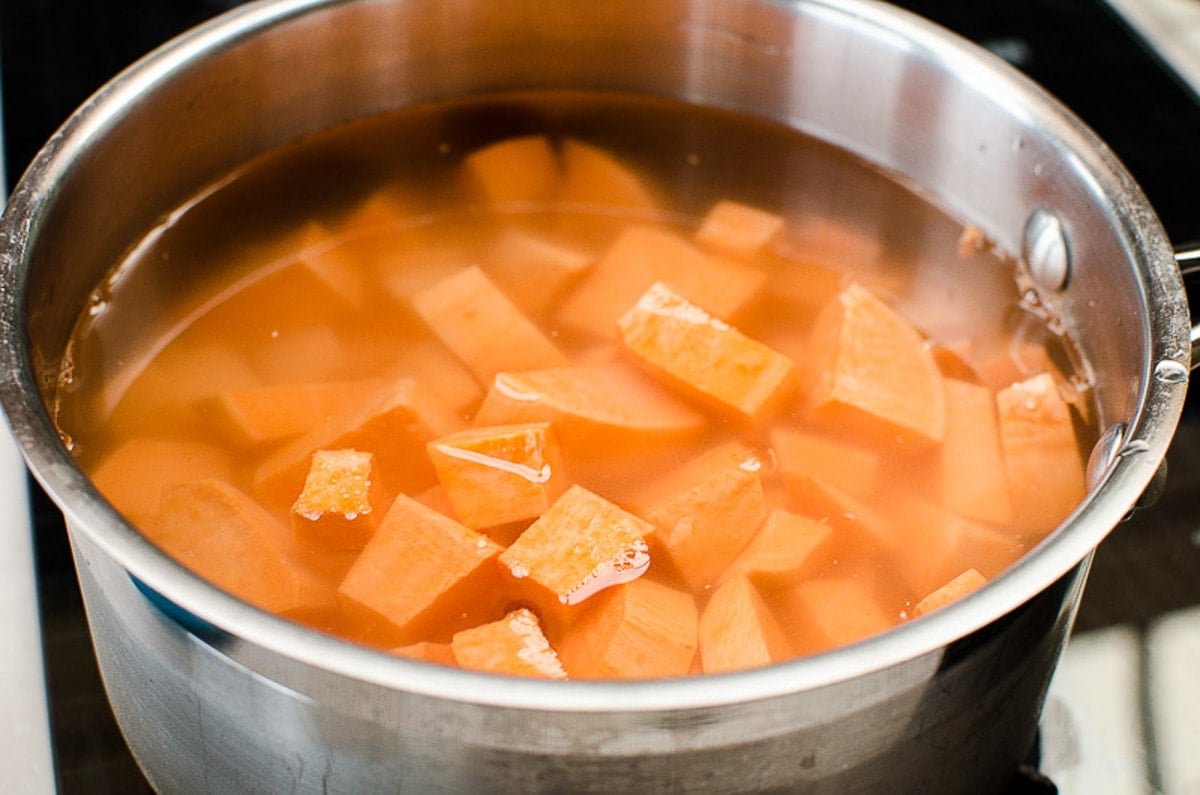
1045	250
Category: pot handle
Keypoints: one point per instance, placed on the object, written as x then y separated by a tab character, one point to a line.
1188	257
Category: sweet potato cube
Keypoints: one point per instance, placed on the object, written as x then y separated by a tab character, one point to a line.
938	544
830	613
442	375
483	328
813	497
877	373
695	471
580	546
826	240
224	536
275	412
593	176
643	255
342	501
134	475
316	350
1041	453
848	468
522	169
515	645
639	630
783	550
737	630
331	265
974	481
738	229
419	574
393	426
532	270
499	474
704	356
704	528
595	409
960	586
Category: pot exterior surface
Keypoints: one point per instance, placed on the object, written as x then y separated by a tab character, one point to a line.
232	699
955	720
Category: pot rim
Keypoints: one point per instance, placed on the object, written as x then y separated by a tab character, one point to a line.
1119	485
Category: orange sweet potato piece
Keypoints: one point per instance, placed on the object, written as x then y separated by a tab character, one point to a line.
263	414
783	550
594	176
580	546
498	474
595	409
342	501
938	544
737	630
974	482
1041	452
524	169
638	630
829	613
225	537
813	497
440	373
704	528
134	475
394	426
533	270
695	471
960	586
483	328
420	576
333	268
829	241
738	229
515	645
704	356
845	466
643	255
876	373
426	651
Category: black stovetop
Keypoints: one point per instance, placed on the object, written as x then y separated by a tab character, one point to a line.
56	52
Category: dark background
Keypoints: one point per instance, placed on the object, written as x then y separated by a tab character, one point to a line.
57	52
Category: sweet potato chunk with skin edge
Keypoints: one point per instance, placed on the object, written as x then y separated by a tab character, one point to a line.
641	629
952	591
522	169
514	645
341	503
226	537
704	355
972	472
418	568
737	630
643	255
703	529
738	229
879	375
581	545
483	328
499	474
1041	452
595	409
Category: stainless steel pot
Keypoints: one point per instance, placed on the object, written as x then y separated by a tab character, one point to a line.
214	695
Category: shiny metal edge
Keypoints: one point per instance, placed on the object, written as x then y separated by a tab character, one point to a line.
1171	28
